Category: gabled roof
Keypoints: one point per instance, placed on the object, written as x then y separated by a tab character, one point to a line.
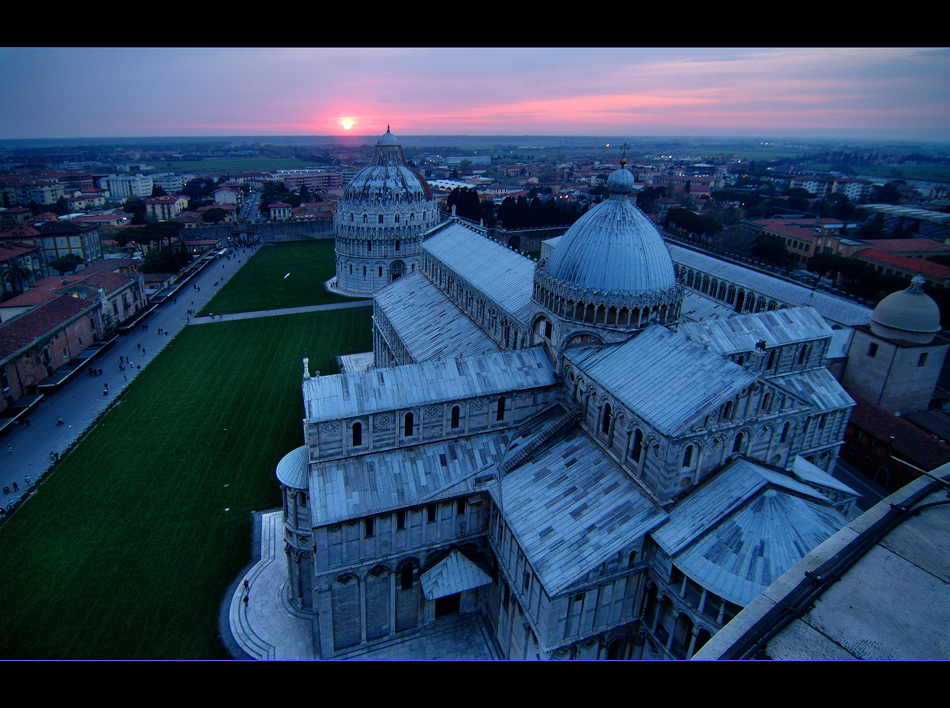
742	333
502	275
663	377
400	387
429	324
354	487
571	508
453	574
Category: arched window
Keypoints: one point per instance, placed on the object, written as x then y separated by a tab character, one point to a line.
688	456
407	428
737	445
365	218
637	448
785	429
380	218
397	241
500	415
357	434
397	221
605	423
727	411
456	411
369	245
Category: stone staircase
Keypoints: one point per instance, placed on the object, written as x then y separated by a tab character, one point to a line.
514	458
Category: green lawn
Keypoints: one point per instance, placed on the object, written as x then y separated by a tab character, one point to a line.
264	284
126	551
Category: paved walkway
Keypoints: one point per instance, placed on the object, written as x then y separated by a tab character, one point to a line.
268	627
280	311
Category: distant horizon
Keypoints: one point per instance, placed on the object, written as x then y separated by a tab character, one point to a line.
808	93
373	137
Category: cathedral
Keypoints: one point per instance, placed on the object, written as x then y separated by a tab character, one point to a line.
551	446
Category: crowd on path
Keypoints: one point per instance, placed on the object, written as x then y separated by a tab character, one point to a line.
39	440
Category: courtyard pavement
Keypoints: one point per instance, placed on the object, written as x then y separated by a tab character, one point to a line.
268	627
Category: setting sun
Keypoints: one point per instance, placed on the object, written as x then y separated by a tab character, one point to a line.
346	123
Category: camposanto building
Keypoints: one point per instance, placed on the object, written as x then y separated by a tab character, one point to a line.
546	446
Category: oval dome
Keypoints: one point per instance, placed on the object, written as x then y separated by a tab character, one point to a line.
614	247
909	314
293	468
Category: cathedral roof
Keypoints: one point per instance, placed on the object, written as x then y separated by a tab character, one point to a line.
742	333
428	324
739	531
359	393
357	486
630	371
614	247
500	274
571	508
293	468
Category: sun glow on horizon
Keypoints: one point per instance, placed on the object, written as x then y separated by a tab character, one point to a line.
347	123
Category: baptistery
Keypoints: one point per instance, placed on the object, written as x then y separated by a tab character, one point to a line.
384	211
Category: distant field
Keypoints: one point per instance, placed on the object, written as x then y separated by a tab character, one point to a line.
237	164
126	551
926	173
281	275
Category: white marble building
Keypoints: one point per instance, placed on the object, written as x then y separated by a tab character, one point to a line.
380	220
548	446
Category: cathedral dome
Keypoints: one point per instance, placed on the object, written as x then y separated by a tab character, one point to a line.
909	314
613	256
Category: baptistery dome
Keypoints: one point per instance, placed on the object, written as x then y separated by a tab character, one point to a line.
380	220
911	315
611	267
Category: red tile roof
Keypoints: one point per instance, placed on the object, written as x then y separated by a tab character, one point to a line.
37	323
910	442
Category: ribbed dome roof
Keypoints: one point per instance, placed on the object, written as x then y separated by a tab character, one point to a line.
293	468
388	178
909	313
614	247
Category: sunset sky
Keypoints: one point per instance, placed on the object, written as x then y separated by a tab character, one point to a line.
858	93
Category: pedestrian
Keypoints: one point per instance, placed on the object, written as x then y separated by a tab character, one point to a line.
15	487
245	602
100	372
28	480
246	588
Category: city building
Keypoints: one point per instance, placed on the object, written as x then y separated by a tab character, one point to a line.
380	221
165	208
896	360
549	447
